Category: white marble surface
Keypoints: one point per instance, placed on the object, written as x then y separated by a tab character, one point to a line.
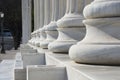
18	61
26	20
33	59
46	73
101	44
77	71
7	70
70	27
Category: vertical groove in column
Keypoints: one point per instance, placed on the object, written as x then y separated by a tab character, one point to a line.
35	21
41	13
47	11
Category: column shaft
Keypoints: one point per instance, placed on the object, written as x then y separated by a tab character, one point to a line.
47	19
26	20
41	22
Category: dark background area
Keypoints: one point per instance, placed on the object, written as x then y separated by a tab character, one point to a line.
12	19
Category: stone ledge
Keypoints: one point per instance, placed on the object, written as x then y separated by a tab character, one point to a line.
81	71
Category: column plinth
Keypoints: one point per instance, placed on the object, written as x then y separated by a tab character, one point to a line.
101	44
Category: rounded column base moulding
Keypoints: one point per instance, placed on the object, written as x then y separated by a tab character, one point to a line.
51	34
37	39
42	35
66	38
102	9
96	54
60	46
70	20
34	34
101	44
37	44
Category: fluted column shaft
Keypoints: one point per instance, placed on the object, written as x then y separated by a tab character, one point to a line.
41	21
101	44
47	12
47	18
36	21
26	20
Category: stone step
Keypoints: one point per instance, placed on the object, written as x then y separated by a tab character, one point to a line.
77	71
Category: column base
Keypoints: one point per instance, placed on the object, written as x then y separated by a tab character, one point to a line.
67	37
60	46
96	54
51	36
101	44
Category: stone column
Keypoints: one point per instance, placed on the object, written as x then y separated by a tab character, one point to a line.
70	27
101	44
35	21
26	20
50	29
41	21
47	19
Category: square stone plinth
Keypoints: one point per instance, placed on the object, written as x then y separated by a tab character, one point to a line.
77	71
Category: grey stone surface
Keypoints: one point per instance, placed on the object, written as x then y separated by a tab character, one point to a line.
77	71
7	70
46	73
33	59
20	74
101	45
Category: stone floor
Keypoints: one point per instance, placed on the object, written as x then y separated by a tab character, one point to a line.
7	65
10	54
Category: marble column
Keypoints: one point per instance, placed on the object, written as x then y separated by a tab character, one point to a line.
70	27
39	13
47	19
101	44
41	21
35	21
50	29
26	20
